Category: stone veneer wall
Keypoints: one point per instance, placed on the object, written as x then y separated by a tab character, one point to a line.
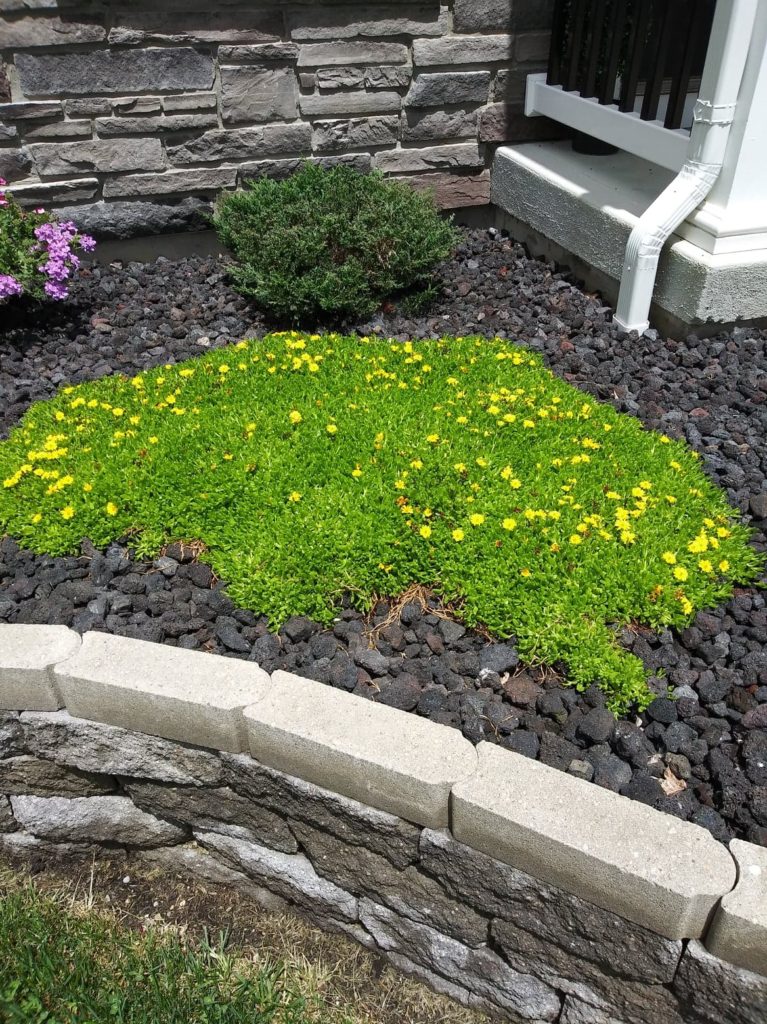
129	117
446	868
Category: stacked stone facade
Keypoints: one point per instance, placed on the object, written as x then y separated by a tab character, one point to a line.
485	933
130	117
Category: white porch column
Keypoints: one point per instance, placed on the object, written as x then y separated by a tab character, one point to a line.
734	217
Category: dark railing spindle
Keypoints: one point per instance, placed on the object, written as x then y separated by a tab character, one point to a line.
700	19
638	35
660	37
615	31
594	47
580	9
558	37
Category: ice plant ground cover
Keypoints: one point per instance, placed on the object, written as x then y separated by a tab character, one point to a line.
313	465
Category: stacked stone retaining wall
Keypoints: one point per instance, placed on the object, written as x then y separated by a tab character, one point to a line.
130	117
501	882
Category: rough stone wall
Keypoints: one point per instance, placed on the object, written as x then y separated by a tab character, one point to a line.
131	116
485	933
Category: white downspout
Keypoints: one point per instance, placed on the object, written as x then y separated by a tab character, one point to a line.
712	119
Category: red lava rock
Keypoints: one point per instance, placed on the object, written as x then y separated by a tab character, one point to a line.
756	718
522	690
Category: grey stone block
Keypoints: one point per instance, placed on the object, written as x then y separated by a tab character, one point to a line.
257	94
340	78
26	33
435	158
339	104
162	691
387	77
23	846
108	157
59	130
202	179
438	125
101	819
281	169
506	122
14	164
236	144
642	864
212	810
130	219
738	932
38	193
11	734
315	22
8	131
317	55
576	1011
111	126
561	922
28	655
354	823
92	106
369	752
712	988
32	776
458	50
191	860
635	1002
355	133
483	15
258	54
290	876
114	71
137	105
25	111
444	88
219	24
532	47
189	101
482	971
7	821
453	191
91	746
408	892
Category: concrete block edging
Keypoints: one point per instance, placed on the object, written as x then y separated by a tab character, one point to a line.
669	876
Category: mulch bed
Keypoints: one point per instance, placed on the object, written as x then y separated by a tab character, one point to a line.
701	757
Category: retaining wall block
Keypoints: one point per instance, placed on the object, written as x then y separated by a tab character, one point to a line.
738	932
666	875
372	753
164	691
28	655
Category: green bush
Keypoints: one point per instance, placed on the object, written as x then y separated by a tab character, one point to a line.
313	465
331	243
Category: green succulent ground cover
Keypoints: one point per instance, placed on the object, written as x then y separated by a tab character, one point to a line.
316	465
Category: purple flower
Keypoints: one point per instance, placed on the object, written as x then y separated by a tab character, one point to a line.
55	291
87	244
9	286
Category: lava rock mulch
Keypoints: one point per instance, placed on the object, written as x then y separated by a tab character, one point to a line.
701	756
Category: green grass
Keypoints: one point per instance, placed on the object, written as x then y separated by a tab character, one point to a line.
311	466
60	966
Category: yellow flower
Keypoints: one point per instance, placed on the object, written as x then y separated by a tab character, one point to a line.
699	545
223	368
460	467
476	519
67	512
576	539
669	557
432	438
724	565
528	424
295	416
705	566
458	535
356	472
416	464
462	419
671	499
153	440
228	457
87	488
117	412
515	484
680	573
509	524
112	509
36	517
525	572
294	496
331	428
425	532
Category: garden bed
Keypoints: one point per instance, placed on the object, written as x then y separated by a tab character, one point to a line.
710	746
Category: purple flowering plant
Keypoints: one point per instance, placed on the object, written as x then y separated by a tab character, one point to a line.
38	254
